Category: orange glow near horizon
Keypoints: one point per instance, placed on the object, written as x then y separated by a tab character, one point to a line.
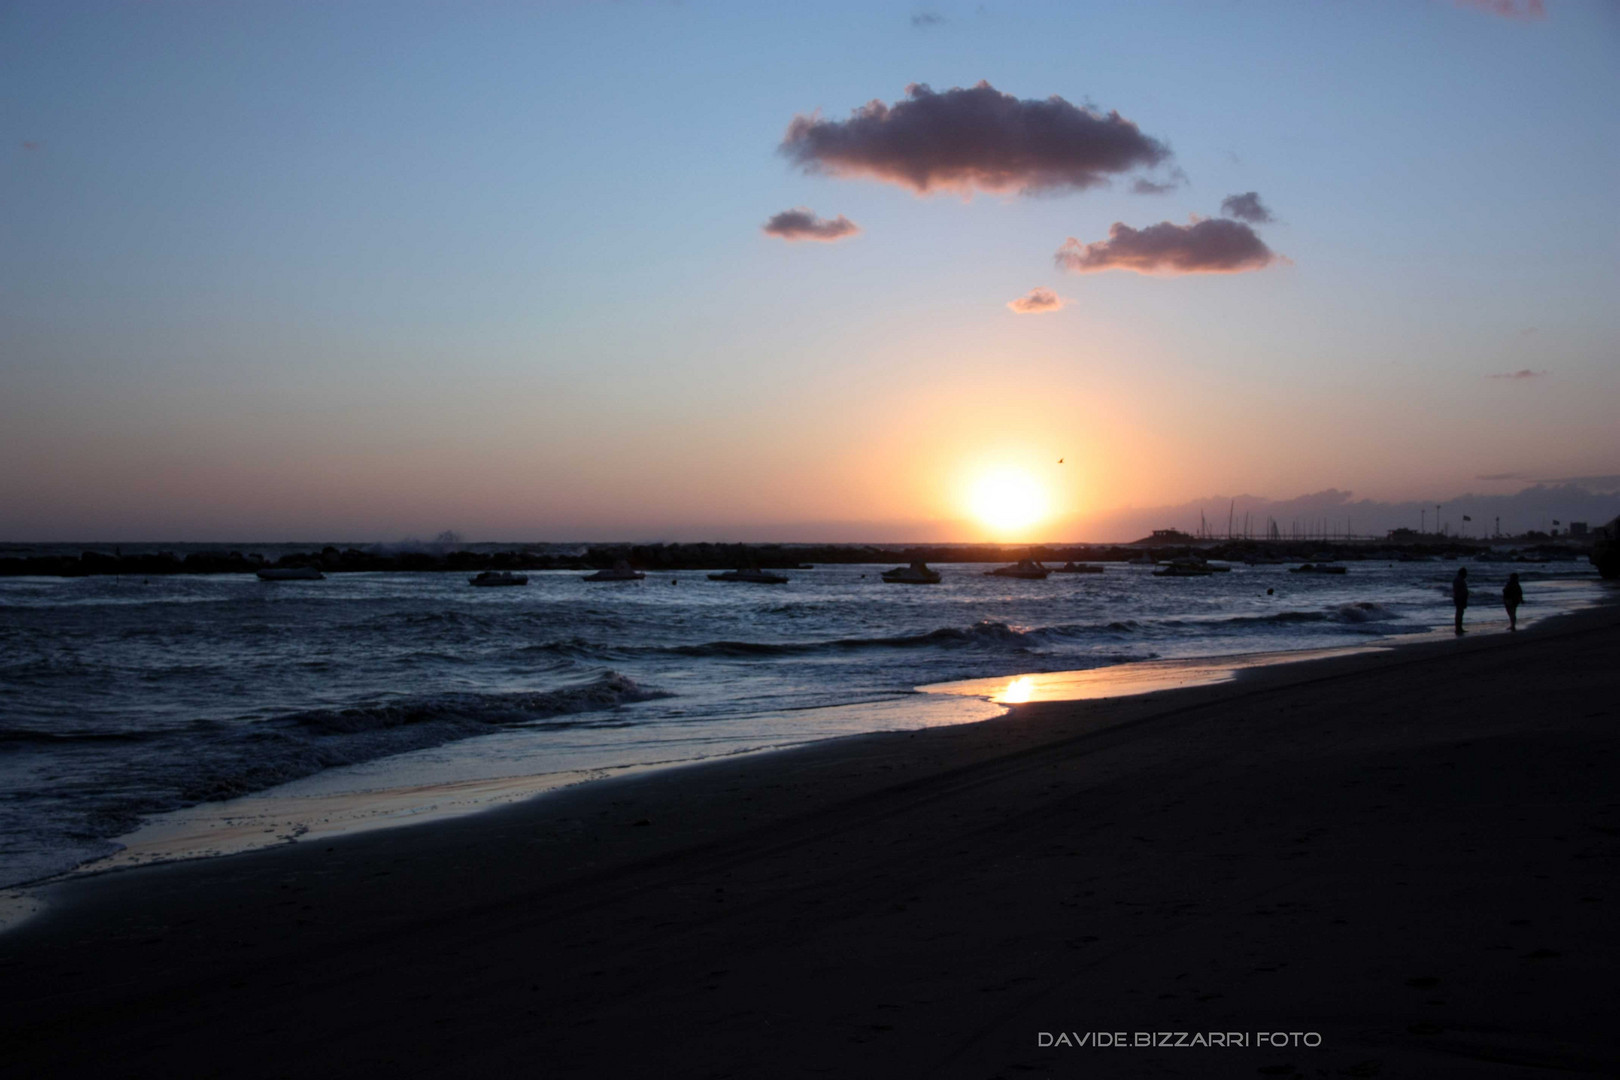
1008	501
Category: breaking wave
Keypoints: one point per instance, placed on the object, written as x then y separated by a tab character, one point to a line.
476	710
1347	614
984	634
286	748
240	759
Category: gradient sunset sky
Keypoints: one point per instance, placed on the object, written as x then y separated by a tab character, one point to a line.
555	271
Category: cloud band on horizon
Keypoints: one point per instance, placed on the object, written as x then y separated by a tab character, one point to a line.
1206	246
973	139
801	223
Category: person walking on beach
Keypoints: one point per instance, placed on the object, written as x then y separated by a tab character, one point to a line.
1512	597
1459	594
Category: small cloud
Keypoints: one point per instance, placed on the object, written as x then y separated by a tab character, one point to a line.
31	145
1246	207
1143	186
974	139
923	20
1497	477
1206	246
1522	373
801	223
1035	302
1524	10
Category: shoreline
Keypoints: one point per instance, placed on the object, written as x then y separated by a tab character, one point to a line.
305	811
1297	848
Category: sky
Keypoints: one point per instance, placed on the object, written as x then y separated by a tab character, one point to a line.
863	271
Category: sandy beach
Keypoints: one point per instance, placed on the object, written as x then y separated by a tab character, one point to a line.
1401	863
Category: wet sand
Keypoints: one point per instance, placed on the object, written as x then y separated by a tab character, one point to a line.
1414	854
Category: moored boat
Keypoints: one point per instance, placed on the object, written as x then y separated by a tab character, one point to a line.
917	573
1028	569
1077	568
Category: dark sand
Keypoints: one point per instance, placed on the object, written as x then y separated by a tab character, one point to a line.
1413	854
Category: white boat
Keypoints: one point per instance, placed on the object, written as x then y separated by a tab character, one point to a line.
755	577
915	574
1028	569
621	572
497	577
290	573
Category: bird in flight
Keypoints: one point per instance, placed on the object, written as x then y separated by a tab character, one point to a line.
1060	461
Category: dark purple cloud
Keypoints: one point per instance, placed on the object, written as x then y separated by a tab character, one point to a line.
1508	9
1207	246
1246	207
1173	179
1522	373
978	138
1143	186
1036	301
801	223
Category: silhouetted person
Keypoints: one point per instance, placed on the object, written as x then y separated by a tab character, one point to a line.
1459	594
1512	597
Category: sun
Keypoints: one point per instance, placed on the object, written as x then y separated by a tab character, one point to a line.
1007	500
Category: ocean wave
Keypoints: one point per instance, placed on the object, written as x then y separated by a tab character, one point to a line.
26	736
572	648
1362	611
983	634
285	748
45	667
482	710
987	635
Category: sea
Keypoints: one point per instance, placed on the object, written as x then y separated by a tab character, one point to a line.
126	698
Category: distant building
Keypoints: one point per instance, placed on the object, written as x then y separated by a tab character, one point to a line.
1166	536
1577	528
1404	535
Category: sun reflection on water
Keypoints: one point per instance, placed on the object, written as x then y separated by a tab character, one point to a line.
1018	691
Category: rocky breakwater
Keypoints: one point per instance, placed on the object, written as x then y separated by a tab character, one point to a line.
327	559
